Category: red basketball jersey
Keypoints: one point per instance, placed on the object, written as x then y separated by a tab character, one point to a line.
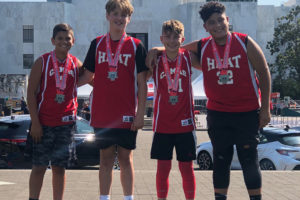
178	118
52	113
241	92
114	102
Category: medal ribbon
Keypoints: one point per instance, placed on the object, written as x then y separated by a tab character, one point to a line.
221	65
60	84
172	84
113	62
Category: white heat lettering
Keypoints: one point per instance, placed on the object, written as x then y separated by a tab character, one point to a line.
210	64
236	59
126	56
120	59
101	57
233	62
230	65
123	58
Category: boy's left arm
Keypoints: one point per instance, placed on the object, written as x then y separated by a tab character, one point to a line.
195	61
149	74
259	63
80	68
81	74
138	121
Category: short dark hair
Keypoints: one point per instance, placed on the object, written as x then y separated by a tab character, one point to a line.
210	8
62	27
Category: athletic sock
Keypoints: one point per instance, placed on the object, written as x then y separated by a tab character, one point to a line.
104	197
130	197
219	196
188	179
255	197
162	178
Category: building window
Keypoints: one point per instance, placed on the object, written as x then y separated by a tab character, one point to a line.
28	33
141	36
27	61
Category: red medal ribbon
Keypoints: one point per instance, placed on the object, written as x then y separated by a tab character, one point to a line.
172	84
113	61
222	66
60	84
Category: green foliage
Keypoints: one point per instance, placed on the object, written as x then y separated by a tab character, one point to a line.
286	47
286	87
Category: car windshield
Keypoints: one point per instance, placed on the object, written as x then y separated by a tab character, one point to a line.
291	141
83	127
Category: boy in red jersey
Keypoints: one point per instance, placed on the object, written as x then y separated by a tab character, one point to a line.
173	118
117	64
52	102
236	110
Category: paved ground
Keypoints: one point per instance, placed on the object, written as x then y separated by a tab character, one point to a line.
83	184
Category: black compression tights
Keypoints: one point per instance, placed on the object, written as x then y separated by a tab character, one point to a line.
247	155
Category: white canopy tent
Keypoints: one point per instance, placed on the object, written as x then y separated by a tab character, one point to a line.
198	89
84	91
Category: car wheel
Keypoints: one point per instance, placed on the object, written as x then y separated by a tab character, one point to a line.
266	164
204	161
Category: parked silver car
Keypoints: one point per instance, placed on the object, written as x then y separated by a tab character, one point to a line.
278	149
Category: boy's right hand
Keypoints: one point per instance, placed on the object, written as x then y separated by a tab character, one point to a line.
36	132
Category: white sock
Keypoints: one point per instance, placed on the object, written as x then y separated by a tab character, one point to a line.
130	197
104	197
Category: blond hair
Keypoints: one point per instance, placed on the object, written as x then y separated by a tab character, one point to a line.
173	26
125	6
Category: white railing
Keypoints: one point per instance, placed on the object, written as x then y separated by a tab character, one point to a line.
284	120
278	121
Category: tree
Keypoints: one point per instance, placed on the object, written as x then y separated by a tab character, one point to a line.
286	47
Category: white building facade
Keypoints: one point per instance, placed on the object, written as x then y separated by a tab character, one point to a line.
27	28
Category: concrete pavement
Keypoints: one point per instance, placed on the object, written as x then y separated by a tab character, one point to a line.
83	184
